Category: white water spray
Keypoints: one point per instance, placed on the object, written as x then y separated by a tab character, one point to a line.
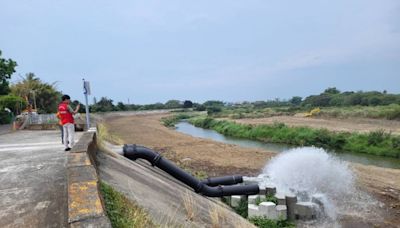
310	171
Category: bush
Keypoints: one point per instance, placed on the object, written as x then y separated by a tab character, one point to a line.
263	222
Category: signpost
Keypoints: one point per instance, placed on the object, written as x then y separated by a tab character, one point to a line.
86	91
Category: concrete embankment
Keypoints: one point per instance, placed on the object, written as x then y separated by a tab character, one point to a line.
85	207
167	201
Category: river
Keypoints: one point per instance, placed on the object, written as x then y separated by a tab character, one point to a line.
366	159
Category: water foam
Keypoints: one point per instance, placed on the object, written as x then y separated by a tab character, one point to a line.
309	171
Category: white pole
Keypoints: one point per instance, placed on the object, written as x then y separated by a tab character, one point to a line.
85	91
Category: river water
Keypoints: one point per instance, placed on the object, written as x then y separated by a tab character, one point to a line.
366	159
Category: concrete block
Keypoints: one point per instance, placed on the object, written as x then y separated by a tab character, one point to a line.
253	211
252	199
78	159
81	173
268	209
270	190
262	190
305	210
235	200
291	201
281	212
96	222
281	199
83	201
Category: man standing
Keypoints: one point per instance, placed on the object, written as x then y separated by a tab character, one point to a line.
67	120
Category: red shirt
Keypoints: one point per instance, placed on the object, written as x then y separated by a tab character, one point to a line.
66	115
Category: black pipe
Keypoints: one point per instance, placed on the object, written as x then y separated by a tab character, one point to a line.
134	152
226	180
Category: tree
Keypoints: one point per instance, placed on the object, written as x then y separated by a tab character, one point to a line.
15	103
173	104
104	105
7	68
121	106
187	104
295	100
331	90
44	95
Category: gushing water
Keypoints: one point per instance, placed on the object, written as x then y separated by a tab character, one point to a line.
310	171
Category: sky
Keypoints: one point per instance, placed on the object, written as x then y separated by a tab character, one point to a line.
153	51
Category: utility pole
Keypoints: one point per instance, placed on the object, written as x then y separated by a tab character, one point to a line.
86	91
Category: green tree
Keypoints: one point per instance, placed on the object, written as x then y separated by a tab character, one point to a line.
295	100
7	68
173	104
103	105
121	106
15	103
187	104
45	96
331	90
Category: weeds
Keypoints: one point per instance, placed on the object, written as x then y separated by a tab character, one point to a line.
267	223
121	211
188	203
170	121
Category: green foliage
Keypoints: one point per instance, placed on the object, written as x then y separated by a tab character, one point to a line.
7	68
104	105
14	103
187	104
5	117
333	97
296	100
171	104
242	208
45	95
377	143
263	222
170	121
122	212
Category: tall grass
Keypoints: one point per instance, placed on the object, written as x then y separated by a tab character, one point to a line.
378	143
122	212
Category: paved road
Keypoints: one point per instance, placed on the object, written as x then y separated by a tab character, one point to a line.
33	186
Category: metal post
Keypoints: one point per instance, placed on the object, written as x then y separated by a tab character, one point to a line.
86	91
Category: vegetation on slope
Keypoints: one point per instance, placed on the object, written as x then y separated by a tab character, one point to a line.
122	212
378	142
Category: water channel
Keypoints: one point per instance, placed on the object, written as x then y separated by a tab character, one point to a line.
366	159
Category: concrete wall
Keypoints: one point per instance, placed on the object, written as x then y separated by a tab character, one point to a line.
85	207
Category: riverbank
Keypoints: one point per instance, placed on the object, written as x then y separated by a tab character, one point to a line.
378	142
213	158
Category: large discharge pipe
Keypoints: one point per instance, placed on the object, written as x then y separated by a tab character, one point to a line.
206	187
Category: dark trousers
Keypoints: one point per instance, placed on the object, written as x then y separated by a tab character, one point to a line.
62	134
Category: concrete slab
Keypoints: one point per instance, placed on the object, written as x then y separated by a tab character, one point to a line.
84	201
81	173
33	189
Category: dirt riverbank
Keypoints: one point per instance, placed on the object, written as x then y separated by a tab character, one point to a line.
214	158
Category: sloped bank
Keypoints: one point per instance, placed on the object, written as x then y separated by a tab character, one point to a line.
167	201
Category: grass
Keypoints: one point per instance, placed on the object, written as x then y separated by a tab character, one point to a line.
170	121
267	223
122	212
189	204
390	112
379	142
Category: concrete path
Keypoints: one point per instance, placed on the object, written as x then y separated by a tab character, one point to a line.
5	128
33	185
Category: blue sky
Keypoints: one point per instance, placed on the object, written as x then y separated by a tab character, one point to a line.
152	51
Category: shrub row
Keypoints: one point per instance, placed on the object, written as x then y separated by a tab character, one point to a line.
378	142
